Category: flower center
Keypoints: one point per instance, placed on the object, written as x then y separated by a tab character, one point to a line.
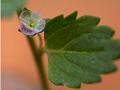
31	23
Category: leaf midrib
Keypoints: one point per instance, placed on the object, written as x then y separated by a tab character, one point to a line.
68	51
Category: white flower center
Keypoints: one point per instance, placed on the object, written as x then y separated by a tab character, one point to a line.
31	23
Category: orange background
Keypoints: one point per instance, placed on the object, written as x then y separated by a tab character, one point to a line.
16	55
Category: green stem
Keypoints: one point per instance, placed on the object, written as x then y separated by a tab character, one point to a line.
40	40
38	59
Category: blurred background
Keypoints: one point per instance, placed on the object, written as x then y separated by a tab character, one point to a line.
18	68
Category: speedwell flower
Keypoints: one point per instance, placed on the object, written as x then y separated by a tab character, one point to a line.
30	23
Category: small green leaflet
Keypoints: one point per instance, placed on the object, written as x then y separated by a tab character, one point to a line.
78	50
8	7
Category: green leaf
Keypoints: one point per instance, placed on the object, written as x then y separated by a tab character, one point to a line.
10	6
79	51
89	20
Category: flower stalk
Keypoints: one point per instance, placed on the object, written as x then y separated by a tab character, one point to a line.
38	60
31	24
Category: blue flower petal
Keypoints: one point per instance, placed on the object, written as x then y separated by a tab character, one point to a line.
26	31
25	16
40	25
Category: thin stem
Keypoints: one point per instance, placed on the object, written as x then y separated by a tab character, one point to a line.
38	59
40	40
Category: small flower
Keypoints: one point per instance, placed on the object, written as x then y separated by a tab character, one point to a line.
30	23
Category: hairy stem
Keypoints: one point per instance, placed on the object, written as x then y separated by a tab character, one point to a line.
38	60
